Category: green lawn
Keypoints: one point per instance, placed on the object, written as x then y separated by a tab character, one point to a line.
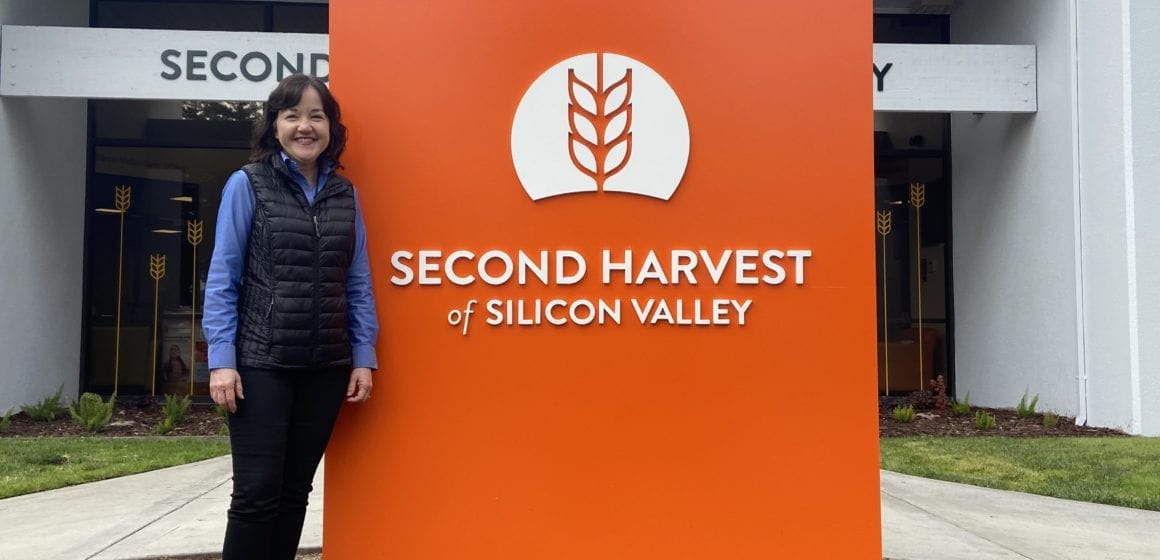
1121	471
34	464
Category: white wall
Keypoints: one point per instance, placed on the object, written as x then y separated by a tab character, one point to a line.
1013	221
1145	104
1118	144
1102	160
1057	245
42	185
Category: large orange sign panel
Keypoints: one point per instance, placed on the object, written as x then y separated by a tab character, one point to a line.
624	281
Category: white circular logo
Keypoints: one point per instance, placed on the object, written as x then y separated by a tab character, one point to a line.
600	122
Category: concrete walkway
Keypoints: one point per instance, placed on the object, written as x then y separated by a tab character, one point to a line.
930	519
167	512
181	511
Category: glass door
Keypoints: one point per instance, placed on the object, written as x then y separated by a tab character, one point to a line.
153	195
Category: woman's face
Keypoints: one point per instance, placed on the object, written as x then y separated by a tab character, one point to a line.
304	130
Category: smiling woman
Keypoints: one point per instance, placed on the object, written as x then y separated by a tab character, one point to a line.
304	132
289	313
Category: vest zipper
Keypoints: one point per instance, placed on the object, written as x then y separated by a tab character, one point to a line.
270	309
317	280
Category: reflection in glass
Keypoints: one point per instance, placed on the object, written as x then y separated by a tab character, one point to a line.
151	342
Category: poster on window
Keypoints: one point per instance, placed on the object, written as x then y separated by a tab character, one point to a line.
181	355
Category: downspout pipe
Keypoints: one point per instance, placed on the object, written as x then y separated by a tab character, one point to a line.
1081	417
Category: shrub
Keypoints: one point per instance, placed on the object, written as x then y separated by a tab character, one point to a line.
963	407
938	388
92	413
6	422
920	400
904	414
1050	420
1025	409
47	409
174	410
224	413
984	420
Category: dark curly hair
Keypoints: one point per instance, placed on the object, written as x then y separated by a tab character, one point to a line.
286	95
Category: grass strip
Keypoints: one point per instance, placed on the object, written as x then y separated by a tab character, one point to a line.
1120	471
30	465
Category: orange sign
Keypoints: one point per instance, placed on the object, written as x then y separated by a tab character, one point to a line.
624	281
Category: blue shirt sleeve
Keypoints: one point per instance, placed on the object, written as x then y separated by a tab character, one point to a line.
364	323
220	310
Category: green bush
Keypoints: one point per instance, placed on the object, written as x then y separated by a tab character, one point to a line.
984	420
47	409
224	414
963	407
174	411
904	414
1050	420
1025	409
92	413
6	422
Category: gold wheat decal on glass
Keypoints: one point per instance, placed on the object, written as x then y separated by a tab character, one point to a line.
157	272
193	234
885	217
600	124
122	198
917	200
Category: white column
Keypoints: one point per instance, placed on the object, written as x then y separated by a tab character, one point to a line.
42	186
1014	221
1144	46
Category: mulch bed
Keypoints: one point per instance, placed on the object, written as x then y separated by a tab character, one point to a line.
932	422
139	417
131	417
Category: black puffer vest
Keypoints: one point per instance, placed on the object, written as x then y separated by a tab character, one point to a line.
292	310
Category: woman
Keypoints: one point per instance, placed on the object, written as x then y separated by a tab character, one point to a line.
289	313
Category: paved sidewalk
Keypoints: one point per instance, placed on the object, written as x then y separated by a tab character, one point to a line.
168	512
181	511
929	519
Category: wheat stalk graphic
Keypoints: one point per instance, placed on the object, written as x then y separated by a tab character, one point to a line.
918	199
122	198
157	272
193	234
600	124
885	217
917	194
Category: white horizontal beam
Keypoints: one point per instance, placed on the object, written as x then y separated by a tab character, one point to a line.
103	63
954	78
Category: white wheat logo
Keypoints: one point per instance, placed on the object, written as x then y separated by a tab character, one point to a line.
600	122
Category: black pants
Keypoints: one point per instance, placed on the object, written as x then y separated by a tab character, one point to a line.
277	437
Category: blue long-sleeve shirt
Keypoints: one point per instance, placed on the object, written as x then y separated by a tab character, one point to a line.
220	312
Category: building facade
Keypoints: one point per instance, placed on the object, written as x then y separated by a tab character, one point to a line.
1022	262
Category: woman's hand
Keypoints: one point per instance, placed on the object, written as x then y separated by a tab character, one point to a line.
225	386
359	388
